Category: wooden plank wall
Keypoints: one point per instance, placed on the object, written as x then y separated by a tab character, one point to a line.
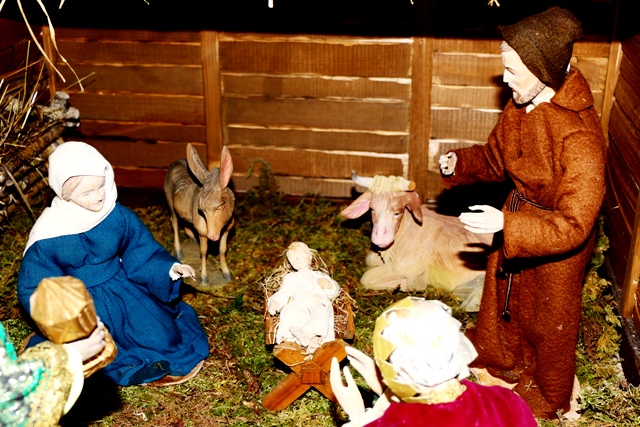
143	97
315	107
623	178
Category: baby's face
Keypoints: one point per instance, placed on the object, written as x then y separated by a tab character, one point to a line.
89	194
299	258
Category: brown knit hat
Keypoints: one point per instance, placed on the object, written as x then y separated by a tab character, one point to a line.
544	42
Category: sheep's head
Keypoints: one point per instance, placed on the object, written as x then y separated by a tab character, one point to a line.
388	198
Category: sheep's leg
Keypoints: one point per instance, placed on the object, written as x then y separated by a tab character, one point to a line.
176	237
204	243
223	259
382	277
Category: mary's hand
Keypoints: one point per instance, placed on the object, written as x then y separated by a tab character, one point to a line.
183	270
348	396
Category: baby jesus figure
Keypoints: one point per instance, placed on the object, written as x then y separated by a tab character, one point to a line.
304	301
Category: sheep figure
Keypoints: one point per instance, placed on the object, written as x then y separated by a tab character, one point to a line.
413	246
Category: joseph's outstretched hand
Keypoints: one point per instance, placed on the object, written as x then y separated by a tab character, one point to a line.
489	220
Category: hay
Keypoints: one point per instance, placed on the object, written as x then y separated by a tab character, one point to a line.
342	303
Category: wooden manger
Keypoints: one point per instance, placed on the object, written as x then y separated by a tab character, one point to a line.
307	370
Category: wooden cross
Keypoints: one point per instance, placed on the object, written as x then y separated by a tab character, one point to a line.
307	371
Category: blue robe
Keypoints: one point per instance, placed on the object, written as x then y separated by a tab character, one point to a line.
126	271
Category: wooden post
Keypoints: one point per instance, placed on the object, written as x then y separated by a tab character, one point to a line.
212	96
613	72
47	44
420	115
630	296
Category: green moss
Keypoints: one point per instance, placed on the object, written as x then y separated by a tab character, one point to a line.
241	369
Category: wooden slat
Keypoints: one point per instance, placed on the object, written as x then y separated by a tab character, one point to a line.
153	178
288	57
299	186
178	80
315	87
14	45
313	113
212	98
631	48
467	69
119	53
127	35
594	71
632	274
464	124
624	187
143	131
626	138
491	97
317	38
628	100
613	70
492	46
591	49
631	73
314	163
152	108
133	177
617	232
142	154
316	139
467	45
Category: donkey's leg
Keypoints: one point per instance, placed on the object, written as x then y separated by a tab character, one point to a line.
176	237
204	243
226	273
223	259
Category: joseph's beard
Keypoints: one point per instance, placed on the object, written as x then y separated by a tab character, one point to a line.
526	98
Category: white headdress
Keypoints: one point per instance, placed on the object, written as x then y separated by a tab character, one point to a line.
63	218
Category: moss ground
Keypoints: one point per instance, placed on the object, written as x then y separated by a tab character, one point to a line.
241	369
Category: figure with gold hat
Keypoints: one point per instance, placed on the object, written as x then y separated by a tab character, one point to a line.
419	369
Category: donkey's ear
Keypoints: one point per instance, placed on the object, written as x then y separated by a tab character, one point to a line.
195	164
358	207
413	203
226	167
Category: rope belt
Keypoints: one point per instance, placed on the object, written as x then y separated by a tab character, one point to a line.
513	205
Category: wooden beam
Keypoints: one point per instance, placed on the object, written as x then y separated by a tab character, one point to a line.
212	96
613	71
50	51
420	115
632	276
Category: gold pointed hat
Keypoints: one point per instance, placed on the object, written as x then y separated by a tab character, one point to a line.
64	311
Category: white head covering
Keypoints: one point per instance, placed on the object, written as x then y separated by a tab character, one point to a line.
417	344
63	218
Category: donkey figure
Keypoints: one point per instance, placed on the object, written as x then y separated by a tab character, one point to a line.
203	199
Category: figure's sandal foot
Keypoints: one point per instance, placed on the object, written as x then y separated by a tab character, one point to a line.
173	380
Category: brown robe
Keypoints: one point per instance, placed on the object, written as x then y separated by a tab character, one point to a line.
555	158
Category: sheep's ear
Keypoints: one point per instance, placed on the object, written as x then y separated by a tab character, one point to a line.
358	207
414	205
226	167
195	164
